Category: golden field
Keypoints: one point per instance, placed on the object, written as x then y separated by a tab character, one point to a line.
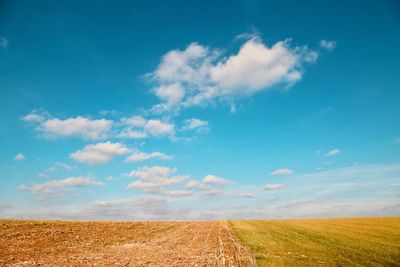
322	242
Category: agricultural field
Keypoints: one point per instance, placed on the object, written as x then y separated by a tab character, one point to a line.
322	242
62	243
311	242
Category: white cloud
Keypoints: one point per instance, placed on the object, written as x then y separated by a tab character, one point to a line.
32	117
59	166
155	179
52	186
188	66
197	185
4	42
284	171
199	75
99	153
132	134
269	187
56	167
246	195
195	124
79	126
212	179
135	121
212	192
159	128
328	45
355	191
135	127
171	95
140	208
179	193
138	127
257	67
333	152
19	156
209	186
141	156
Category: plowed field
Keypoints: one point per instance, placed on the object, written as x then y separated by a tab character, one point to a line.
60	243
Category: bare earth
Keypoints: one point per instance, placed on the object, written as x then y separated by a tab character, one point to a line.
60	243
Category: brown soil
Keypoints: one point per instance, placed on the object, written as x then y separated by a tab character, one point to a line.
60	243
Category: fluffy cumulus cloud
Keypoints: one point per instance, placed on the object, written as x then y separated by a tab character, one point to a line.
157	179
138	156
333	152
199	75
328	45
135	127
19	157
171	94
284	171
99	153
158	128
138	127
270	187
164	181
52	186
79	126
195	124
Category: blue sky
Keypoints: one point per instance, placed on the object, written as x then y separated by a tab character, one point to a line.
145	110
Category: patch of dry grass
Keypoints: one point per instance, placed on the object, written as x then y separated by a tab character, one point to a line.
322	242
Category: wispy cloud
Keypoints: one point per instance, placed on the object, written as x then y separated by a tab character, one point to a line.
210	185
212	179
333	152
359	190
196	125
56	167
270	187
19	157
52	186
4	42
284	171
327	45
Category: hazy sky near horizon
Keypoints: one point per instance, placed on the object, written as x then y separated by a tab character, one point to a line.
148	110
